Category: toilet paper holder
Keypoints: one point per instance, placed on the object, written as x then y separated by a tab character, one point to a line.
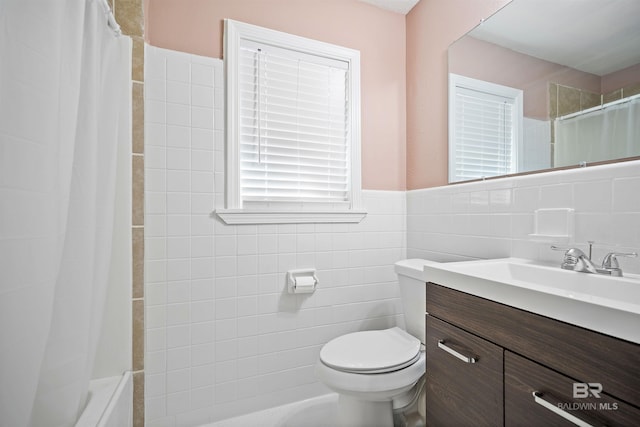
302	281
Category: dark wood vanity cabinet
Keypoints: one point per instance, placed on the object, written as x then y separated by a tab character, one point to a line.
592	377
462	392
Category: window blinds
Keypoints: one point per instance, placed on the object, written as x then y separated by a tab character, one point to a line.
484	136
294	126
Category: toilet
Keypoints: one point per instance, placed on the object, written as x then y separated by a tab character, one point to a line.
370	370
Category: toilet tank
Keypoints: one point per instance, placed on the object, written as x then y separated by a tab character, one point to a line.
413	294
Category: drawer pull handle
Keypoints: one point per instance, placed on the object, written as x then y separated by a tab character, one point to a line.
458	355
552	404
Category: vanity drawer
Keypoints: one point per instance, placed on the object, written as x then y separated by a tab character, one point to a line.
462	392
555	391
575	351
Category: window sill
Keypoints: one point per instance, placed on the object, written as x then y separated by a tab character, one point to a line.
240	216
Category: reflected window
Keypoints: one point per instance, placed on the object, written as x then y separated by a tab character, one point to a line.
485	129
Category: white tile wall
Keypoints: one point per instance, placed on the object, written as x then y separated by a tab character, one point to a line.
223	337
494	218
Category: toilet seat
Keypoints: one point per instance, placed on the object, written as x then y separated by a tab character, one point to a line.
371	352
373	386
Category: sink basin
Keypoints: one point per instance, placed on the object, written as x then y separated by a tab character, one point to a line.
617	292
602	303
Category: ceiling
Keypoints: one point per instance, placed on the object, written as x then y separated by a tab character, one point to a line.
398	6
595	36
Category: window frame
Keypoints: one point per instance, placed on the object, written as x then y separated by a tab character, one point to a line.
297	212
517	95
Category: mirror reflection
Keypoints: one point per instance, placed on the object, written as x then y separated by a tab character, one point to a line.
544	84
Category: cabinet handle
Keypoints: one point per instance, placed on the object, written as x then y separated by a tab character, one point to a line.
550	403
458	355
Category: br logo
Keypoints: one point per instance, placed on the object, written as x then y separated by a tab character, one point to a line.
583	390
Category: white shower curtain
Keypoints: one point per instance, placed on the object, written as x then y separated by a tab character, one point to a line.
610	133
64	112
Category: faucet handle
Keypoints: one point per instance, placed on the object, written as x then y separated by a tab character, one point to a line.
575	259
610	261
569	259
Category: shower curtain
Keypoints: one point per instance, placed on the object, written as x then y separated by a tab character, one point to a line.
610	133
64	113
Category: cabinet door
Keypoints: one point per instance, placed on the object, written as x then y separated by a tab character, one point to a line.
464	378
553	403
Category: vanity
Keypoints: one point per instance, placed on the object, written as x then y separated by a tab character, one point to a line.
504	348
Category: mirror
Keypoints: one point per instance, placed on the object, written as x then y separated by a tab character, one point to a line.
577	65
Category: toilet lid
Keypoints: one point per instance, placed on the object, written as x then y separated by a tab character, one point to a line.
371	351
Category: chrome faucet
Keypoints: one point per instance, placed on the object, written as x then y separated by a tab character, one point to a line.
576	260
610	262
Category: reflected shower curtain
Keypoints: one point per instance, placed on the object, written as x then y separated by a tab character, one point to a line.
64	113
610	133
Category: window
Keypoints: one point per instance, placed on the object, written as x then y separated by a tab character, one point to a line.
485	122
293	129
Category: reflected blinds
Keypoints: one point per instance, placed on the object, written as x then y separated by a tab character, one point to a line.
294	126
484	136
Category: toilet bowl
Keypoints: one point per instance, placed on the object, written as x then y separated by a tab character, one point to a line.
371	369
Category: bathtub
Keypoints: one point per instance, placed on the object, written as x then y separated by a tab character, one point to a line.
109	403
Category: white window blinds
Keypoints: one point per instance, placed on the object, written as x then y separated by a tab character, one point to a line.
292	129
293	126
484	132
484	136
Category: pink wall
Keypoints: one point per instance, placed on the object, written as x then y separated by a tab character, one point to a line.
196	26
432	25
623	78
489	62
